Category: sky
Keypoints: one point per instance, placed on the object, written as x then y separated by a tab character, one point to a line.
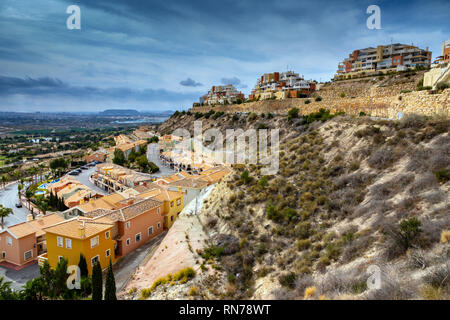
163	55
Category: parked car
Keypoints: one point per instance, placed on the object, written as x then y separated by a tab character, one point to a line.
83	168
18	205
73	173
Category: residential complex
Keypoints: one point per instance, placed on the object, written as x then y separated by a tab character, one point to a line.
22	243
71	191
226	94
93	238
445	53
281	85
383	58
114	178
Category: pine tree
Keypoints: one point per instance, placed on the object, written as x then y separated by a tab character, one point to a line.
83	266
97	282
110	284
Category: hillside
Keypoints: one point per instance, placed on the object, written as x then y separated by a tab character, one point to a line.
382	96
351	192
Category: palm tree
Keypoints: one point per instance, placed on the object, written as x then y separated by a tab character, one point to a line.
4	180
4	212
6	293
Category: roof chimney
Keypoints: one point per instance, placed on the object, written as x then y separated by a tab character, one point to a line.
81	229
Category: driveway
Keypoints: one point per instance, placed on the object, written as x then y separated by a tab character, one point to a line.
20	277
127	266
83	178
8	198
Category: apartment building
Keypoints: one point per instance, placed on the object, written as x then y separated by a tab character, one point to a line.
395	56
281	85
114	178
104	234
70	238
21	244
444	58
226	94
71	191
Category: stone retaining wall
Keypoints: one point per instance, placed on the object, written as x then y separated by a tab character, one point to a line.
387	106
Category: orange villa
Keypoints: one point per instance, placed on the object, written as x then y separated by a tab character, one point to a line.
22	243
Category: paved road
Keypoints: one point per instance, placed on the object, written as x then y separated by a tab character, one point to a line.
127	266
19	278
83	177
9	198
153	156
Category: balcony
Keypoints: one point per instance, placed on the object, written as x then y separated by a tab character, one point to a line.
41	259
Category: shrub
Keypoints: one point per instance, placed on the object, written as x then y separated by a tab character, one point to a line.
408	230
293	113
443	175
193	291
212	252
445	236
318	98
145	293
307	101
442	85
342	94
287	280
303	244
245	176
310	291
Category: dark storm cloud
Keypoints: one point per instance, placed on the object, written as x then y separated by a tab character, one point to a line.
54	87
190	83
139	50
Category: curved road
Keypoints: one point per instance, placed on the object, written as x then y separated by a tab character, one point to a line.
8	198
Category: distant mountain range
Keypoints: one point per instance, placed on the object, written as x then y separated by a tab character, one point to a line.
133	113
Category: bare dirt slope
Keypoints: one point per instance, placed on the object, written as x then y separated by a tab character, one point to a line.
350	193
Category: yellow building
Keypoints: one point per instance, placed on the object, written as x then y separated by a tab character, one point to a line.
90	237
172	201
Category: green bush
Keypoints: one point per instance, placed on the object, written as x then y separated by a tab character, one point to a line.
408	230
293	113
443	175
442	86
318	98
288	280
307	101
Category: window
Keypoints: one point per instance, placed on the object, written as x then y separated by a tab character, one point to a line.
94	242
171	203
158	210
128	241
68	243
28	255
60	258
9	240
150	231
178	202
108	253
94	260
158	225
171	218
127	225
137	238
107	235
3	255
59	242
